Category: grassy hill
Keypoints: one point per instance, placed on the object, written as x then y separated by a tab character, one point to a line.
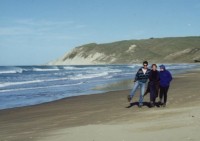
158	50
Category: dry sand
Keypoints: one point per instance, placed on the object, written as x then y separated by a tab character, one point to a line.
105	117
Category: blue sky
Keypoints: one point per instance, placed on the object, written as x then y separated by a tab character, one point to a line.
34	32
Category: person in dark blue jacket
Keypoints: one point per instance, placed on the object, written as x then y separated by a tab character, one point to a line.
165	79
141	78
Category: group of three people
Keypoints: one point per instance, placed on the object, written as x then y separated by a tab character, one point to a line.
159	82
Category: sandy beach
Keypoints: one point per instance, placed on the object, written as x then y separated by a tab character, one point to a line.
107	117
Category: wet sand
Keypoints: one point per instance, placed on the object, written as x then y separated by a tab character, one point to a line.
105	117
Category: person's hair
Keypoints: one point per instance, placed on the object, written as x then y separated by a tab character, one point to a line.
153	65
145	62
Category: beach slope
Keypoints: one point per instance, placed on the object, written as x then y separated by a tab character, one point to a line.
106	117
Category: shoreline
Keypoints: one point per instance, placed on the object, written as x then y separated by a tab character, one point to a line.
40	122
50	95
122	85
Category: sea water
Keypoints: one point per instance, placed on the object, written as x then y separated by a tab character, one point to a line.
30	85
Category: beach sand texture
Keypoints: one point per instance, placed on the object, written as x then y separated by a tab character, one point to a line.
105	117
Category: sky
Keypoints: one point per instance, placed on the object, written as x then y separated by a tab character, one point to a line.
34	32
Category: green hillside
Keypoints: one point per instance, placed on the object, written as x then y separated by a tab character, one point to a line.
171	50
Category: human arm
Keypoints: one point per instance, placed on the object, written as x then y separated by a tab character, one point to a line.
136	76
170	76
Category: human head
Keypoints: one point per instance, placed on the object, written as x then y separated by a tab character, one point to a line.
145	64
154	67
162	67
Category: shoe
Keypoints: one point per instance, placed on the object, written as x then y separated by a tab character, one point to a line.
129	98
152	104
160	103
164	105
140	105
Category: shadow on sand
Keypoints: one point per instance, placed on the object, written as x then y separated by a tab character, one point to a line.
145	104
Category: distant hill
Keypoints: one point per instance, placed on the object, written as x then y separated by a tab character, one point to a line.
158	50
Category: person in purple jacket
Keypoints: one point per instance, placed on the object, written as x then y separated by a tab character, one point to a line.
165	79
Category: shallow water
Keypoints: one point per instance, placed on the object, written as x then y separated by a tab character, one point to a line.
30	85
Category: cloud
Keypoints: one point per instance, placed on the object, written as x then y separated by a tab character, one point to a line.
15	31
40	28
31	22
79	26
32	33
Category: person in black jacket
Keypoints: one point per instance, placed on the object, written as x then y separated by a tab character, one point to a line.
153	84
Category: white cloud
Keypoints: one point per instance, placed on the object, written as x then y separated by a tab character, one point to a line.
31	22
15	31
40	28
80	26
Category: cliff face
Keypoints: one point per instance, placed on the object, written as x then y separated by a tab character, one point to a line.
170	50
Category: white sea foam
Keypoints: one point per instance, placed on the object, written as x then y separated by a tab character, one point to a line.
19	83
11	71
134	66
88	76
75	68
40	69
33	88
74	77
30	82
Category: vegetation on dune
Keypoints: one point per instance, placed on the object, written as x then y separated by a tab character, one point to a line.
171	49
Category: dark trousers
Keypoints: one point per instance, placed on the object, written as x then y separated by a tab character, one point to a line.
163	92
156	88
152	87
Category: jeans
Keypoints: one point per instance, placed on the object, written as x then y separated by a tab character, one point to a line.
142	90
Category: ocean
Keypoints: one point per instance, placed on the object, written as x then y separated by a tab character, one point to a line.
30	85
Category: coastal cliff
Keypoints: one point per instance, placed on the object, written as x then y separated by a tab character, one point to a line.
169	50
